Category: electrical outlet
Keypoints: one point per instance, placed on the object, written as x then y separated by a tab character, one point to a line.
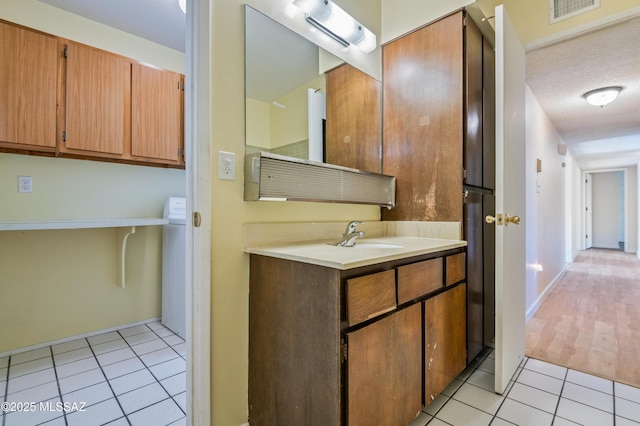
25	184
227	165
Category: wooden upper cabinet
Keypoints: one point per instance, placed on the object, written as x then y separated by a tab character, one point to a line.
423	106
353	130
156	113
474	130
28	64
98	86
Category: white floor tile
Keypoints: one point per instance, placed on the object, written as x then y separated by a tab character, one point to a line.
30	380
452	387
181	400
110	346
181	422
628	409
142	398
173	340
115	356
103	338
457	413
523	415
162	413
546	368
4	362
181	349
55	422
437	422
155	325
98	414
157	357
141	338
488	365
79	381
132	381
169	368
30	355
122	368
627	392
163	332
621	421
90	395
36	417
69	346
73	355
540	381
589	381
588	396
583	414
147	347
436	405
35	394
559	421
175	384
479	398
537	398
483	380
122	421
499	422
131	331
76	367
30	367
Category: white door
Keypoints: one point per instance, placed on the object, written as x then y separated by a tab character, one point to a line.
588	211
510	200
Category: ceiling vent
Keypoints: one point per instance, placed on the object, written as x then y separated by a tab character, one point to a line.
563	9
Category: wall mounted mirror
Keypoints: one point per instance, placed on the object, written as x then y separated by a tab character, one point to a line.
304	102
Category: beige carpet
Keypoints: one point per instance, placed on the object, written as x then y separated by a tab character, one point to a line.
590	321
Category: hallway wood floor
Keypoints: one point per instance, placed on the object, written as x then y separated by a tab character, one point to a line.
590	321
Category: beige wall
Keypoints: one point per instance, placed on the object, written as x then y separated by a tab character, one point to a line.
230	266
56	284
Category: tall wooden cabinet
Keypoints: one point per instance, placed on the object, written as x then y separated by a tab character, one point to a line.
28	64
353	129
438	133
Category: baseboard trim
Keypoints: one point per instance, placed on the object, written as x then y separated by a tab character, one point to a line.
536	305
80	336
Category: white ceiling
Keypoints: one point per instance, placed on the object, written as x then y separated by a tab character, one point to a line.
558	75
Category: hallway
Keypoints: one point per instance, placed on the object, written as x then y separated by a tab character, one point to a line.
590	320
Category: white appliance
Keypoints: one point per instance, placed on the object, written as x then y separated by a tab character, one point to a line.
174	289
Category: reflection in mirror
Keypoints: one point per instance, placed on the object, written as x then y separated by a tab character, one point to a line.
294	107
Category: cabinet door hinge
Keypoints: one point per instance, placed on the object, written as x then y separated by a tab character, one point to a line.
180	152
64	136
465	196
64	52
345	350
197	219
464	174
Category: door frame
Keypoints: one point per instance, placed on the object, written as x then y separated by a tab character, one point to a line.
198	178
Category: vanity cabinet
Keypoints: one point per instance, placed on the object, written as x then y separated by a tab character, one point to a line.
347	347
28	65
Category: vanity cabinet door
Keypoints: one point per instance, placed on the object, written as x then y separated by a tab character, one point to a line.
445	352
28	64
384	370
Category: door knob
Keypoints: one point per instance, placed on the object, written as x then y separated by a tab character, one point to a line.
513	219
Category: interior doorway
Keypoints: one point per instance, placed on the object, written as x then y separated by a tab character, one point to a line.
605	209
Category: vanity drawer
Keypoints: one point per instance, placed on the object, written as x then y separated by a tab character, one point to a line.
418	279
370	295
455	268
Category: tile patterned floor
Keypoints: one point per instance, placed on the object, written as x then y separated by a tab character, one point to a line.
539	394
134	376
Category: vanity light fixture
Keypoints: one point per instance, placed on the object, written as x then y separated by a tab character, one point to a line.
183	5
329	18
603	96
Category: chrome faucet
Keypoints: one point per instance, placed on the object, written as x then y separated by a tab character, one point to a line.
351	234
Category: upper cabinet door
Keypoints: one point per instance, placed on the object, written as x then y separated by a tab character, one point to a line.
156	113
98	87
423	108
28	87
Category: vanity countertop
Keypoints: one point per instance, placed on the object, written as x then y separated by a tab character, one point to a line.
367	251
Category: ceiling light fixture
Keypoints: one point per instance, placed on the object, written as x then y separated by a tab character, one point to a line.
603	96
183	5
337	24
